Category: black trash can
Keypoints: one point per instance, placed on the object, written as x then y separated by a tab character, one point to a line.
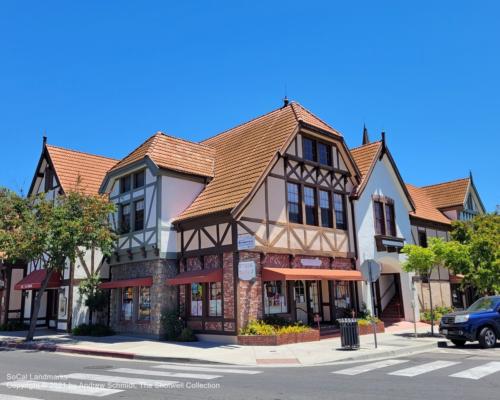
349	333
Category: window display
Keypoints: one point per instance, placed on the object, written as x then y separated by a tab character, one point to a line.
144	303
127	303
215	300
275	297
196	299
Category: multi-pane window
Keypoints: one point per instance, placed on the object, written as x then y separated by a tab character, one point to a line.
125	218
125	184
139	179
275	297
144	303
340	212
325	209
293	197
390	224
309	149
127	309
196	299
378	208
139	215
324	154
310	205
215	299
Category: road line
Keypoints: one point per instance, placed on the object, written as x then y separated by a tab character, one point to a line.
424	368
479	372
10	397
163	373
369	367
126	380
208	369
62	387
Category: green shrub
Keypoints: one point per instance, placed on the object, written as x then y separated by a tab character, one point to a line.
367	321
261	328
92	330
296	328
437	313
14	326
186	335
173	325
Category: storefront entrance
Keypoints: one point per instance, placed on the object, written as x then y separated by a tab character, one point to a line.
307	300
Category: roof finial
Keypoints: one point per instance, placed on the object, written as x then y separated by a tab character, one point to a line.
470	175
285	101
383	138
44	138
366	138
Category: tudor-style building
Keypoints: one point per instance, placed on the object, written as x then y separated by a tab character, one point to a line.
382	205
272	233
61	171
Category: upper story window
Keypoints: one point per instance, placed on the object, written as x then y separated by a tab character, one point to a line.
49	179
125	218
470	203
139	215
384	216
293	197
390	223
125	184
136	179
139	179
310	206
325	206
316	151
340	212
378	207
422	238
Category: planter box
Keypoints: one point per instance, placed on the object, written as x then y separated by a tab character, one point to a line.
367	329
276	340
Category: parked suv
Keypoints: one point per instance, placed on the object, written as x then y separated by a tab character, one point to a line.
481	321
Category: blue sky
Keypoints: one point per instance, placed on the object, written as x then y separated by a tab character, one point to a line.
102	76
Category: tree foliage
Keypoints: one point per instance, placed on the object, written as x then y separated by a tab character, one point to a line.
95	298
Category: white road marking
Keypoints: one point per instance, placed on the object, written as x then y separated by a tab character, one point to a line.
125	380
208	369
10	397
479	372
424	368
62	387
369	367
163	373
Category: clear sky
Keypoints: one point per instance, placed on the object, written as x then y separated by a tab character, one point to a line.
102	76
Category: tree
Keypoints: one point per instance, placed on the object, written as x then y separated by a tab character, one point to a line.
423	260
53	232
475	252
95	298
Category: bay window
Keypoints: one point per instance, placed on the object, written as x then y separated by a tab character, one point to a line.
275	297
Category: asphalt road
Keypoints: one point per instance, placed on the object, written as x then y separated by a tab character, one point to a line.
443	374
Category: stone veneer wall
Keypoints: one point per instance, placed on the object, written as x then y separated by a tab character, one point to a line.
163	296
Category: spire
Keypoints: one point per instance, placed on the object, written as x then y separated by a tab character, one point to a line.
366	139
44	138
285	101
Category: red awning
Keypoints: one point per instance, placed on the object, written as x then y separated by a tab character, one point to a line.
310	274
456	278
34	280
148	281
202	276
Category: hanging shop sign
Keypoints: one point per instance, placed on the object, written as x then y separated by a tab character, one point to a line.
246	270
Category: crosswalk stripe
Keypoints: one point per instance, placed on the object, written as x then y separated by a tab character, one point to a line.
163	373
424	368
369	367
61	387
11	397
479	372
208	369
125	380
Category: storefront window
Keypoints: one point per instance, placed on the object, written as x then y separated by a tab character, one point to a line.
196	299
127	303
275	297
215	300
342	298
144	303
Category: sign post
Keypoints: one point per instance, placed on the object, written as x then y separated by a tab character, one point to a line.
371	272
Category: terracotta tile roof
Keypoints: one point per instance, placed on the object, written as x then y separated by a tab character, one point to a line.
175	154
448	194
364	156
242	155
424	207
75	169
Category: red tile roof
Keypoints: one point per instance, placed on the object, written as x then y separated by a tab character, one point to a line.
424	207
448	194
79	171
173	153
364	156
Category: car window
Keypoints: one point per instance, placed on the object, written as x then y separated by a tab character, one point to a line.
484	304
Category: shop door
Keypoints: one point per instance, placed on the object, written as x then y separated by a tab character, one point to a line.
299	294
52	305
313	298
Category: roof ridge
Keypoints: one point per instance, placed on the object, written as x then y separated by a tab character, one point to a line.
365	145
183	139
443	183
315	116
82	152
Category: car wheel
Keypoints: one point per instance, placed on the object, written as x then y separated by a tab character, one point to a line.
487	338
458	342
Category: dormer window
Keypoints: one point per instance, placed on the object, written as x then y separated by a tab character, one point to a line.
384	216
316	151
49	179
470	203
125	184
309	149
139	179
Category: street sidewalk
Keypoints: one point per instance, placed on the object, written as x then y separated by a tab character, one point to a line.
397	340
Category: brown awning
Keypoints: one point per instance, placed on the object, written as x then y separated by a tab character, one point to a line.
310	274
147	281
202	276
34	280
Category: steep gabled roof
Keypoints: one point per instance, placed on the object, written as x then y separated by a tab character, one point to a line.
448	194
424	207
245	152
173	153
78	171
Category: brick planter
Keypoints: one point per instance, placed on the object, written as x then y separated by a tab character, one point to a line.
367	329
276	340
